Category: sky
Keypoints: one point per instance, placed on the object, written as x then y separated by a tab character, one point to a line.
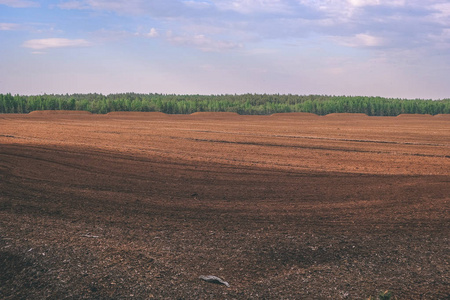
388	48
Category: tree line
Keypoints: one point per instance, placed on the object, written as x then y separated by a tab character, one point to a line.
245	104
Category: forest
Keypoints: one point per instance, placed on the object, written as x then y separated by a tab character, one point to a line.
245	104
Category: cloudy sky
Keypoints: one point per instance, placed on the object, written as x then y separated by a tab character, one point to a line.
391	48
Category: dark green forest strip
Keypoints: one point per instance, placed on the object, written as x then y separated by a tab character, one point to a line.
246	104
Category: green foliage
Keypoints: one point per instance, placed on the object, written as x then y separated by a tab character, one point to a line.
248	104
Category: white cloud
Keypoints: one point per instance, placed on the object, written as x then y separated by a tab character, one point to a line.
19	3
441	40
134	7
362	3
254	6
442	14
197	4
202	42
153	33
368	40
362	40
35	28
160	9
359	3
73	5
39	44
9	26
119	6
216	25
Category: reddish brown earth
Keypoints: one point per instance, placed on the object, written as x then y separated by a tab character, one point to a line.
295	207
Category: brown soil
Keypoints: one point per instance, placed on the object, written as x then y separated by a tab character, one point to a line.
136	114
215	115
444	116
294	114
420	116
60	112
107	207
346	115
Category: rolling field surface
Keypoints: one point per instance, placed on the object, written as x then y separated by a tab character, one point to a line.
293	206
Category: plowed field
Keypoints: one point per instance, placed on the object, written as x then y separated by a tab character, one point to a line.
291	206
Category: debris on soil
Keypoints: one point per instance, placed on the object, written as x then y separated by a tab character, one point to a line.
214	279
89	235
